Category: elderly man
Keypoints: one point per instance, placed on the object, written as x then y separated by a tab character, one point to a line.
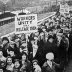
50	65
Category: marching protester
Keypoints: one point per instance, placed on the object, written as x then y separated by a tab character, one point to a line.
50	65
36	67
9	64
17	65
5	45
47	50
2	61
25	64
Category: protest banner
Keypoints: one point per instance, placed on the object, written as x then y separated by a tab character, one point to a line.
64	8
26	23
10	28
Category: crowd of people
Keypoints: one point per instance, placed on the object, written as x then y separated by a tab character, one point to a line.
47	50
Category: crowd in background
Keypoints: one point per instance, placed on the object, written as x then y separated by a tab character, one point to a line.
47	50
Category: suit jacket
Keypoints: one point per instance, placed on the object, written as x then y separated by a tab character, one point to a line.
46	67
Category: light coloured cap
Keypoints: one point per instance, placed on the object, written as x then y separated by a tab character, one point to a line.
50	56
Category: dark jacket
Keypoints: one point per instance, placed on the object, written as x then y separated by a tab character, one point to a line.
26	67
4	49
46	67
50	47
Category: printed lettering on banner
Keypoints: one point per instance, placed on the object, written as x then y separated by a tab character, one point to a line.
26	23
64	8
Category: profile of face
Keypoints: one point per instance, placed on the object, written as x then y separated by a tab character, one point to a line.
17	64
23	57
9	61
35	64
1	53
5	42
11	53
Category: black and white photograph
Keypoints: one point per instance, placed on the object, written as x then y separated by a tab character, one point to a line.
35	35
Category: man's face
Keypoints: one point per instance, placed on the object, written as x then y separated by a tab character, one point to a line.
11	53
34	64
12	45
9	61
21	50
5	42
42	36
51	25
17	64
46	24
59	38
24	57
22	37
32	42
37	33
17	43
49	61
35	47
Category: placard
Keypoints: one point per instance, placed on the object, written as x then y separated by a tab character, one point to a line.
26	23
64	8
